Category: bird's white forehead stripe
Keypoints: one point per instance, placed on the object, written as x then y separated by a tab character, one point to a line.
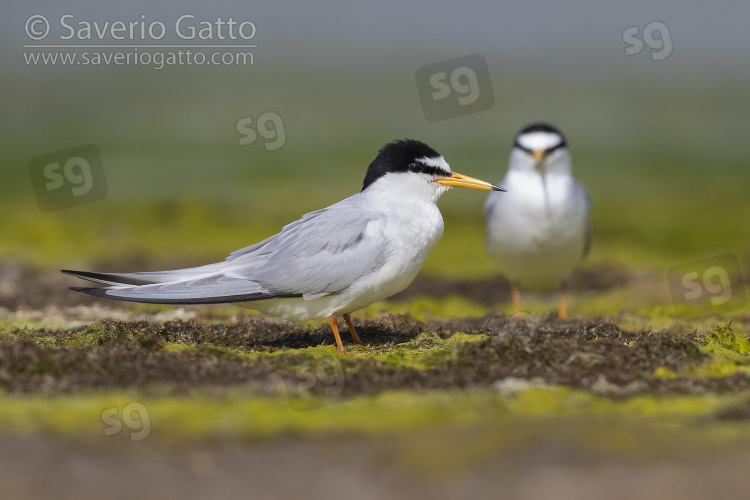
539	140
435	161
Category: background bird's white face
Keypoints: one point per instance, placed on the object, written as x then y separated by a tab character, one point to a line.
539	140
540	152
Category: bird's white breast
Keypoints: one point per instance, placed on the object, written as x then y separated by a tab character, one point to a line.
536	232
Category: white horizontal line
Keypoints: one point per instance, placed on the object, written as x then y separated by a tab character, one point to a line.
140	46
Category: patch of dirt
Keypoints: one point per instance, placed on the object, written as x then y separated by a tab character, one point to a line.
587	354
596	356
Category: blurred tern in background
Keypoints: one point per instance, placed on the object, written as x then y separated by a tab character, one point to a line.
332	261
540	229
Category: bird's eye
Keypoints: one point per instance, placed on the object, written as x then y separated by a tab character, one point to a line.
414	167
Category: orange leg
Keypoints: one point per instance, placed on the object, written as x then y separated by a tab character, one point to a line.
348	319
563	312
335	327
516	289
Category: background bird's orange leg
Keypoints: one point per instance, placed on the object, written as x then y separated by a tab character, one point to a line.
335	328
563	312
348	320
516	289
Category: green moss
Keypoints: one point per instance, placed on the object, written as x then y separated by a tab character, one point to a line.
16	334
426	351
177	347
665	373
236	414
726	337
99	333
728	350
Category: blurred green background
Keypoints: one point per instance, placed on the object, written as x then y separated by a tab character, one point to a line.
660	145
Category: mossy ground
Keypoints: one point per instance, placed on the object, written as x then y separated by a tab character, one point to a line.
229	375
448	363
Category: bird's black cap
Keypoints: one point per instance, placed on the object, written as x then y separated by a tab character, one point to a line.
398	156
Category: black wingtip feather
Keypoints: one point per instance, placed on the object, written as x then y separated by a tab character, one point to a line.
96	292
107	278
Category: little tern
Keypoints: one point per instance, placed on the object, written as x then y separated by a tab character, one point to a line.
330	262
540	230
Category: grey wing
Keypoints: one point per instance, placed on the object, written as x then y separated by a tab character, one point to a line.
320	254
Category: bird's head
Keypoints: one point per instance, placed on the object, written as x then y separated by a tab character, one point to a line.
542	148
419	168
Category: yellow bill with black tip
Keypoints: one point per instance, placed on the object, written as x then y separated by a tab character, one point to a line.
460	180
